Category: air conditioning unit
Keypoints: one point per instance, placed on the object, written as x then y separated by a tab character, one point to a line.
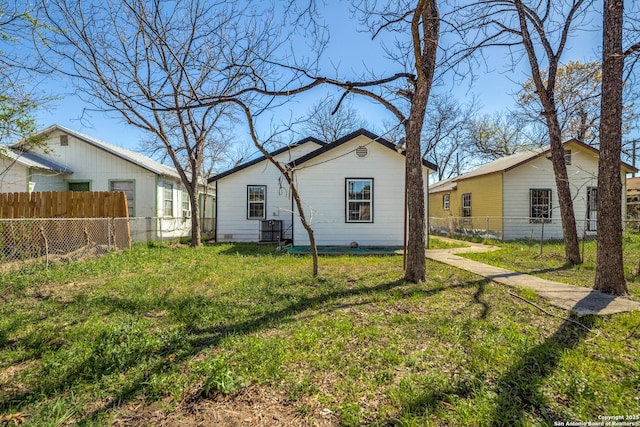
271	230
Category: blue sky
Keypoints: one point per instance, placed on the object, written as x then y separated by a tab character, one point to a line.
352	51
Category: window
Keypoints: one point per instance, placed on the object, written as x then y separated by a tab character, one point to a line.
359	200
592	209
127	188
186	204
256	198
466	205
445	201
79	186
539	205
168	199
567	157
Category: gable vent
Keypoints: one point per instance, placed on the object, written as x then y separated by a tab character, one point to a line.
362	152
64	140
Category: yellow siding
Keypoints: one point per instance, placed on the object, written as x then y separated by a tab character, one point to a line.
486	201
435	205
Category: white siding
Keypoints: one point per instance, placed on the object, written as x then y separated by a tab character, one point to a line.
232	224
538	174
97	166
13	176
322	181
48	181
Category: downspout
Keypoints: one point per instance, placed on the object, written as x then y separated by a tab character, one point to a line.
292	211
404	228
215	214
428	208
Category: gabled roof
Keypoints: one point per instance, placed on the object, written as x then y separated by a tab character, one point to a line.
32	160
507	163
348	138
444	185
262	158
127	155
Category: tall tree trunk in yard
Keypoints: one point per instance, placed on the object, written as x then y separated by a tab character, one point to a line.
546	92
425	45
609	266
565	201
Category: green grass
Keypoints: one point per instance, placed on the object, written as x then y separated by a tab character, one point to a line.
436	243
526	257
159	330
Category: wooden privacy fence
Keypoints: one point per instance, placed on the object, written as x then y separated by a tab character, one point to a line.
64	204
62	225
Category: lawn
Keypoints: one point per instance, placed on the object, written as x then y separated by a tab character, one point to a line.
244	335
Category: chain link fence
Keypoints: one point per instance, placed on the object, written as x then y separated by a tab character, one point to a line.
508	228
60	238
153	229
65	239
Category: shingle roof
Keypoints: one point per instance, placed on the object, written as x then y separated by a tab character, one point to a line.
128	155
262	158
348	138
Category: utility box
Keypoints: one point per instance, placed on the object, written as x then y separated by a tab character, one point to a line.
271	230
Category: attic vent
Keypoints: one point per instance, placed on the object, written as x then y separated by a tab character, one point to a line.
362	152
64	140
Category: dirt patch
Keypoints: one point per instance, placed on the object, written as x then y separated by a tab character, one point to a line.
254	406
8	378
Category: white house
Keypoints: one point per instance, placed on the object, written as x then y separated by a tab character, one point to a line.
254	195
18	170
516	196
352	190
78	162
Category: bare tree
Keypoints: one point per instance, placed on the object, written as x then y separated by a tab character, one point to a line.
609	266
502	134
538	31
153	61
405	94
328	124
445	134
578	88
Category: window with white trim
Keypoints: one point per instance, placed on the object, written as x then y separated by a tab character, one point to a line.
186	204
359	195
592	209
256	201
126	186
167	194
567	157
539	205
466	205
446	201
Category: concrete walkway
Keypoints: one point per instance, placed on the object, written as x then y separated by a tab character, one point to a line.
582	301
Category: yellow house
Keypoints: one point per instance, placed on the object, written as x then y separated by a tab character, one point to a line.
516	196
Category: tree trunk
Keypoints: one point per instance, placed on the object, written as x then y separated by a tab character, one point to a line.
565	201
416	241
303	220
192	191
425	47
196	235
609	266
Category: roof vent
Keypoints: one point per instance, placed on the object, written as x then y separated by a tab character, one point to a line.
362	152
